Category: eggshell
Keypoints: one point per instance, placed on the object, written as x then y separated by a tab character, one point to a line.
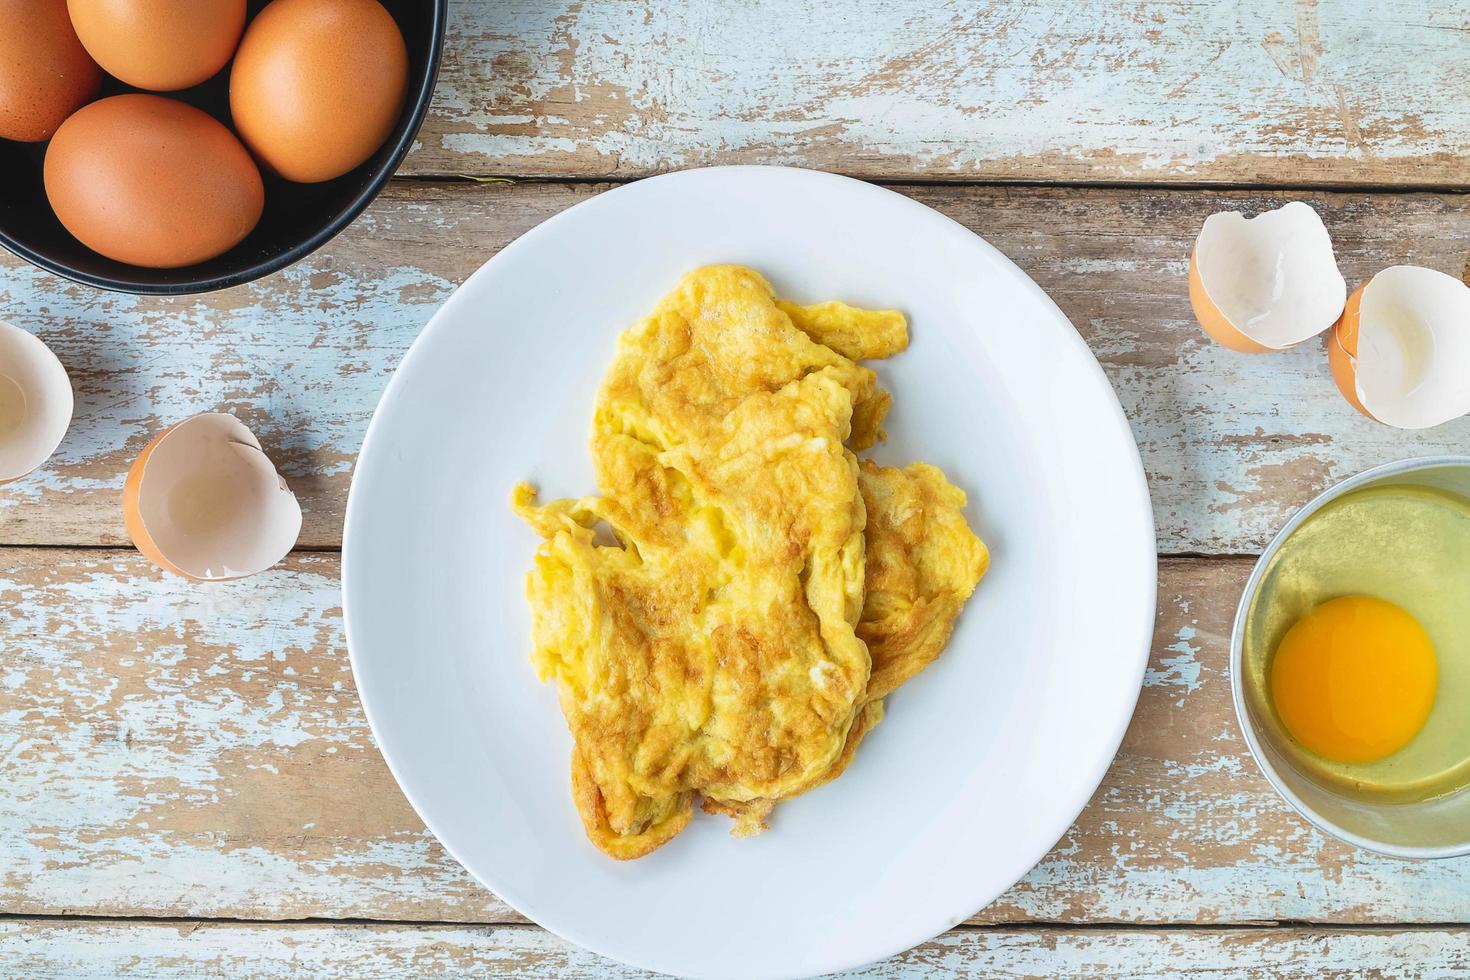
45	73
1265	283
1400	353
318	85
159	44
1342	349
150	181
204	501
35	402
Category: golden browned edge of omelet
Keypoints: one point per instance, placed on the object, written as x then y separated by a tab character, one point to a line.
750	816
923	563
919	558
587	797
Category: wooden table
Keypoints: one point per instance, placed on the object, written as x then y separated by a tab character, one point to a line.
187	783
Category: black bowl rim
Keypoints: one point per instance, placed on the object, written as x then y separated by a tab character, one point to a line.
300	250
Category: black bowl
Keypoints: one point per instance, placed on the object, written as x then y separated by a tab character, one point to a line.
298	218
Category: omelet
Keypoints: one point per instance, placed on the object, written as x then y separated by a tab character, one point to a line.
724	617
716	339
922	563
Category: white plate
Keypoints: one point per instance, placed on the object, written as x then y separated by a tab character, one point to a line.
983	761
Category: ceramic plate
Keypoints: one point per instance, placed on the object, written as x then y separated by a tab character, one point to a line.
983	761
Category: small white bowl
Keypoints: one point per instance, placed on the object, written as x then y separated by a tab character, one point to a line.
1437	828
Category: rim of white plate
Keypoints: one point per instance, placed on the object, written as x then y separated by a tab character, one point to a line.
1104	749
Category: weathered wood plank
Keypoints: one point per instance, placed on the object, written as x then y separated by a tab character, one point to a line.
168	749
1165	90
1232	443
301	357
45	949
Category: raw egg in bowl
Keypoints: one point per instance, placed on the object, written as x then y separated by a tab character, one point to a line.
1350	659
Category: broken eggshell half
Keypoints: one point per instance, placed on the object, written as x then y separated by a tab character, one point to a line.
36	402
204	501
1400	354
1265	283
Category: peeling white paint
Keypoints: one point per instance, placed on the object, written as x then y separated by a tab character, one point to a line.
1164	89
275	352
1181	670
104	950
105	756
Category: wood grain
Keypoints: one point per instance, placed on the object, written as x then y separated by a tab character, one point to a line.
176	750
46	949
172	750
1232	443
1165	90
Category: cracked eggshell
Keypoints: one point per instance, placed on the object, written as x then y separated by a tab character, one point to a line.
205	502
35	402
1400	354
1265	283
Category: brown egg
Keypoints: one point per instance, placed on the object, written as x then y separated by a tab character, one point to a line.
318	85
152	182
45	73
160	44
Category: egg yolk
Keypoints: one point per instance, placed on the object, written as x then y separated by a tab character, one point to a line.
1354	679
